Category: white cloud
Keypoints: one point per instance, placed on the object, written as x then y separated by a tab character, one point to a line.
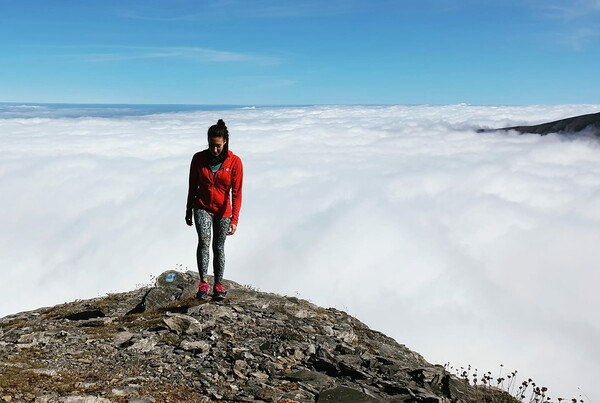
568	10
574	23
195	54
471	248
578	38
233	9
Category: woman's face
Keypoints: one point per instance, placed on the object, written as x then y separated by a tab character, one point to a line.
215	145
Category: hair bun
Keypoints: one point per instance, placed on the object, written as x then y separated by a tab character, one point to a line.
220	123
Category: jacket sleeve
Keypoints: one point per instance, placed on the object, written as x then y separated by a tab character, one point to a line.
237	178
192	187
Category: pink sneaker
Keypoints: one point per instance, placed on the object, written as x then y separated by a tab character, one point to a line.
203	289
219	291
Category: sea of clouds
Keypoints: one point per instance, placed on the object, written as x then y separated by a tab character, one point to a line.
473	249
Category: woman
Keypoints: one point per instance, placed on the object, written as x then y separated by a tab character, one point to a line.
214	200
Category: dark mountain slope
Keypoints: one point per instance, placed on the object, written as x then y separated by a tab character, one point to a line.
584	123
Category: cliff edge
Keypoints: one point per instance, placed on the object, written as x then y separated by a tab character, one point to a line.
161	344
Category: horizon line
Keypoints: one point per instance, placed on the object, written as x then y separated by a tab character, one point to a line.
267	105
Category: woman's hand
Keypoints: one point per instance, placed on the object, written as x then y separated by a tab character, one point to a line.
232	228
188	220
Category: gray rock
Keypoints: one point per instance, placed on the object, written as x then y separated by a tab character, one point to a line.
180	323
142	399
345	394
171	287
144	345
83	399
125	391
122	338
161	344
195	345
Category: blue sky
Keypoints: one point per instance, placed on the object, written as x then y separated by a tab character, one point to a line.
300	52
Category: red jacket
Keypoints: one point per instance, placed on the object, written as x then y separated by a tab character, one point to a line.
211	191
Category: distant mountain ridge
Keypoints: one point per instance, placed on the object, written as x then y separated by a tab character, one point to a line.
161	344
589	123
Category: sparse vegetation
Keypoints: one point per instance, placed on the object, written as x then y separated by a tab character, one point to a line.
526	391
233	348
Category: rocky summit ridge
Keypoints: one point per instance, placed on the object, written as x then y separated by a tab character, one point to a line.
588	124
160	344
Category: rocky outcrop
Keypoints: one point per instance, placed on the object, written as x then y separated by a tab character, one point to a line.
160	344
589	124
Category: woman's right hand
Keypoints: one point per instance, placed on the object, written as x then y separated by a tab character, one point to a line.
188	220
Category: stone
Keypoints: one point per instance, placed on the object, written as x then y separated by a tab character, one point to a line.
180	323
144	345
305	375
171	287
345	394
122	338
195	345
160	343
142	399
45	371
83	399
260	375
86	315
124	392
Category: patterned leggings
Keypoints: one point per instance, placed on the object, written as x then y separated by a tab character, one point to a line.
220	226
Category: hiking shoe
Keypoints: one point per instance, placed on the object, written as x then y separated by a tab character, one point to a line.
203	289
219	291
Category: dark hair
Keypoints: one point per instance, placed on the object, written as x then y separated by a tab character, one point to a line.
219	130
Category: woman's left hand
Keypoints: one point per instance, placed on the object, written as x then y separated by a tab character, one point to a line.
232	228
